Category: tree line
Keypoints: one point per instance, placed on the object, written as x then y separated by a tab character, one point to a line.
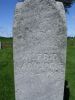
67	3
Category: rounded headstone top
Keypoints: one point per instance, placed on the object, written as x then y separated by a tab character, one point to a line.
21	2
35	0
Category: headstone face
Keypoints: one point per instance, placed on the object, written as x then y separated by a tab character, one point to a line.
39	50
0	44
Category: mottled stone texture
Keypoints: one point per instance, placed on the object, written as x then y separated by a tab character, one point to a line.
0	44
39	50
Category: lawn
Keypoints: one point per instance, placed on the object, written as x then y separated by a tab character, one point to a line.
7	76
6	72
70	67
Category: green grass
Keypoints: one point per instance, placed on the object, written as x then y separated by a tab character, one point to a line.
6	73
7	76
70	67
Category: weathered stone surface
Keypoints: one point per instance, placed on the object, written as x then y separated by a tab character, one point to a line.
39	50
0	44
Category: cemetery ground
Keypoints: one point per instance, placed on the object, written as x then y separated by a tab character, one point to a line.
7	72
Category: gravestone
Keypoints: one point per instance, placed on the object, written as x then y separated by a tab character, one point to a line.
0	44
39	47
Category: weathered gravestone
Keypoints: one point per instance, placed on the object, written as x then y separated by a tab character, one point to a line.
39	50
0	44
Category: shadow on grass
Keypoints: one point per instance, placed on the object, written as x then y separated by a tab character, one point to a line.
66	91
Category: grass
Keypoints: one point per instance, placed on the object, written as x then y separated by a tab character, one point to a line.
7	76
6	73
70	67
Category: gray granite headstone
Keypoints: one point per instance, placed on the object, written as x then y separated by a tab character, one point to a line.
0	44
39	50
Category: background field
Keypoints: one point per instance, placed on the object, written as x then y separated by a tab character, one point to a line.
70	67
6	69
